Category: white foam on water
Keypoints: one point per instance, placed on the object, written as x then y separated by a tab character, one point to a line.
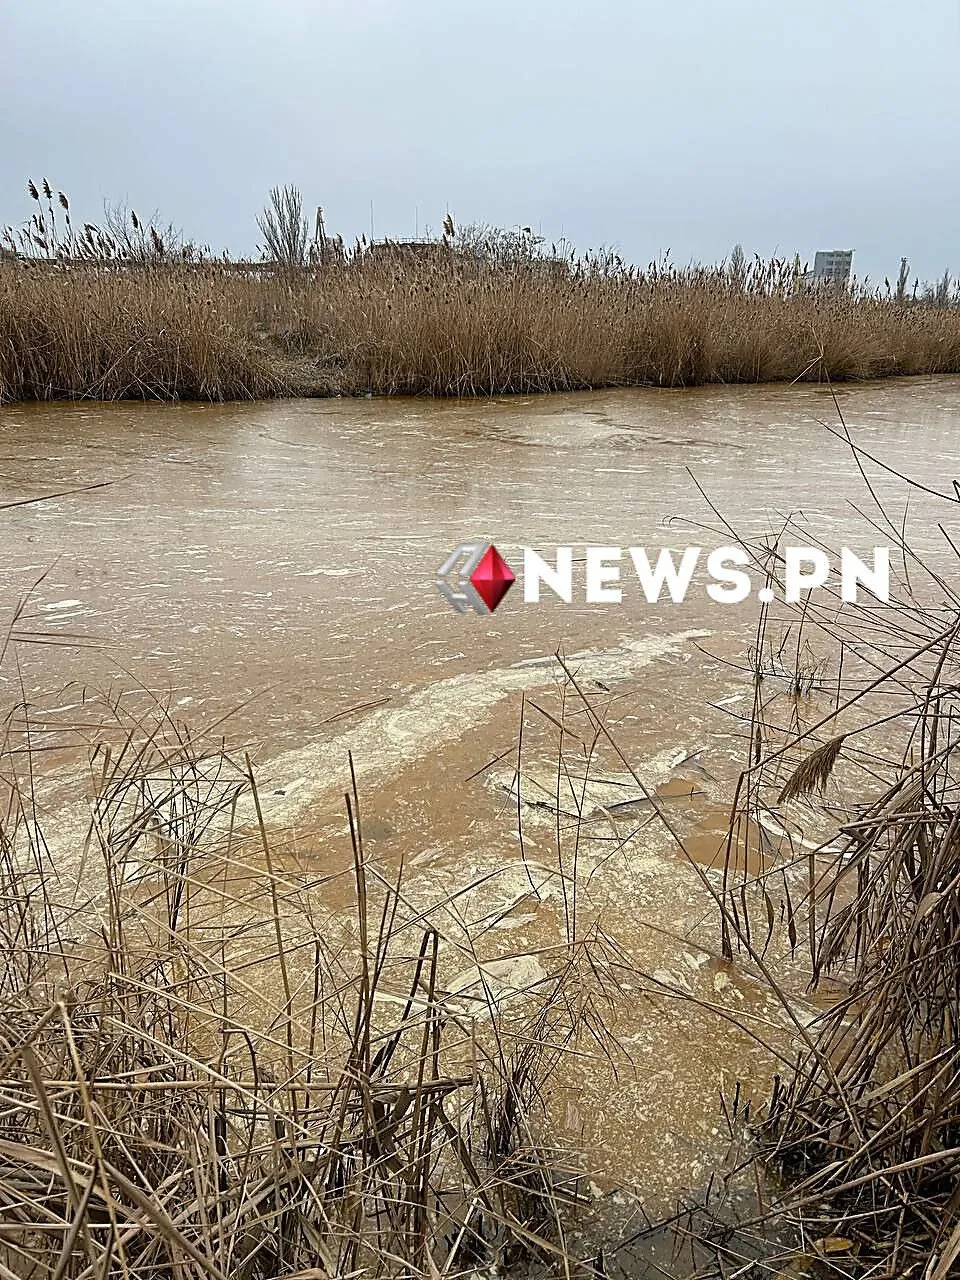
391	736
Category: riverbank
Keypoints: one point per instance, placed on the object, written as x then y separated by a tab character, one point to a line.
444	324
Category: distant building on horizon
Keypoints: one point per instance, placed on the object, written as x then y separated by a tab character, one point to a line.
400	250
831	266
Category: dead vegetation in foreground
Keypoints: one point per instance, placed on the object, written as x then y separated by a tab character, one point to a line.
204	1073
855	717
122	313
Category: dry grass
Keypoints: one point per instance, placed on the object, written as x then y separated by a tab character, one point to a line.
93	332
868	1128
443	323
218	1061
205	1073
865	1129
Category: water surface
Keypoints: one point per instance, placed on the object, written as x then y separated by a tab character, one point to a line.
274	564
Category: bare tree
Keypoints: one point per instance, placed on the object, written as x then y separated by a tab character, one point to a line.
737	267
284	228
902	279
505	245
141	241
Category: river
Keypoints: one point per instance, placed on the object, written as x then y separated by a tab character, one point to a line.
269	570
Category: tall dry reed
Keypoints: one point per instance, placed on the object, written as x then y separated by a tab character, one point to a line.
206	1073
439	322
852	749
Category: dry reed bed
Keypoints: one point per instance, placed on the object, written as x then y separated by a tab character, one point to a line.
866	1127
448	323
202	1074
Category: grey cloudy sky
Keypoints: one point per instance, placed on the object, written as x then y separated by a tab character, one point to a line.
683	124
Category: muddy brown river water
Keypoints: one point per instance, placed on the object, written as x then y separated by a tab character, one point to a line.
285	552
270	569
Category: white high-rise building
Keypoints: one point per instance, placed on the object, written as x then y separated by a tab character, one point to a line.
832	266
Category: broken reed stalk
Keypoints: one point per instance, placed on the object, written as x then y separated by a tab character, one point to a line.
866	1128
166	1111
884	1156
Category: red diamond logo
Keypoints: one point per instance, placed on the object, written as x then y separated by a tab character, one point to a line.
492	578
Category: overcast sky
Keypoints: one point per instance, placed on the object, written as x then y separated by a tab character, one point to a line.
682	124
